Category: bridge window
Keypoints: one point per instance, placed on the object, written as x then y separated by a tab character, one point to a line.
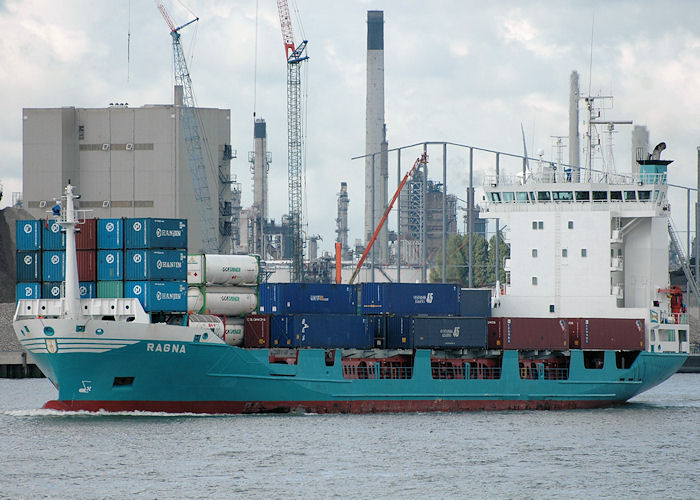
600	196
583	196
630	196
521	196
543	196
644	195
615	195
508	197
562	195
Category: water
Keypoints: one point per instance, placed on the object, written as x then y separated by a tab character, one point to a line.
647	448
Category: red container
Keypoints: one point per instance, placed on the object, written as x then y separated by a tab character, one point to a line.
608	334
87	265
528	333
86	238
256	330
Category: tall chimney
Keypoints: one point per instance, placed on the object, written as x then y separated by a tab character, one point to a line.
376	182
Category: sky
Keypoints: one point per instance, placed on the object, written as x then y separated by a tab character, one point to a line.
468	72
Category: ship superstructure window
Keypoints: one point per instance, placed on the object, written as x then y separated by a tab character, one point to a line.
583	196
562	195
534	252
644	195
615	195
521	196
540	224
543	196
630	196
571	224
534	224
600	196
508	197
584	253
534	280
564	252
495	197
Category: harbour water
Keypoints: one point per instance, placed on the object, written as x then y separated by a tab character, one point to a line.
647	448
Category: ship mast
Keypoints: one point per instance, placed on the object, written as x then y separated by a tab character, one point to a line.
68	219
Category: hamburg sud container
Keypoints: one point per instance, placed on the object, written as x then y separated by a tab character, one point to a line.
110	234
146	232
110	265
28	291
28	234
307	298
607	333
528	333
222	269
226	301
145	264
440	299
53	265
256	330
331	331
52	235
28	265
158	296
436	332
86	236
475	302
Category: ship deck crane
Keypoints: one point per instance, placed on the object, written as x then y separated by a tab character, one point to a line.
295	136
193	138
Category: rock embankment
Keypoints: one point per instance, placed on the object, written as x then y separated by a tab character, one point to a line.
8	340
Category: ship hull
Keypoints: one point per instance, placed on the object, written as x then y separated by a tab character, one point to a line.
136	367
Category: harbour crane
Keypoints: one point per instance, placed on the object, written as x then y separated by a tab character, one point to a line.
295	136
193	138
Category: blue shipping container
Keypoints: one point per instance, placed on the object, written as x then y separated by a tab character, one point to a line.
51	290
281	331
451	332
28	266
410	298
52	236
307	298
327	331
110	234
475	302
146	232
28	291
158	296
88	290
142	264
399	334
54	265
110	265
377	327
28	234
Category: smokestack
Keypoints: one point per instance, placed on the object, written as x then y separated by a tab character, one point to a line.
574	159
342	220
260	166
376	181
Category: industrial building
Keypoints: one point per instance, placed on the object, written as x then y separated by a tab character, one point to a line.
128	162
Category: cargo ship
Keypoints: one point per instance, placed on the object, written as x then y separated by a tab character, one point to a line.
584	319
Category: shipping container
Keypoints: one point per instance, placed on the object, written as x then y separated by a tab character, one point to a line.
377	326
158	296
147	232
110	289
88	290
53	265
326	331
110	234
233	330
529	333
28	235
28	291
86	235
475	302
28	266
308	298
399	334
609	333
87	265
195	269
110	265
52	290
256	330
145	264
493	331
207	322
226	301
448	332
282	331
440	299
231	269
52	235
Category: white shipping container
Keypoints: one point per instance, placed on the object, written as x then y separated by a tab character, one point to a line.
233	330
208	322
231	269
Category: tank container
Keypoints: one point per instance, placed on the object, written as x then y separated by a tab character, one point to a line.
87	265
231	269
233	330
28	265
608	334
86	236
28	291
195	269
327	331
145	264
110	289
207	322
110	265
226	301
441	299
147	232
158	296
53	265
110	234
52	235
448	332
28	235
307	298
256	330
475	302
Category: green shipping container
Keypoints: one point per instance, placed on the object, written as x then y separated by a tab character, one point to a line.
110	289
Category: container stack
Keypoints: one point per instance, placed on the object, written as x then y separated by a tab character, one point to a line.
225	286
110	258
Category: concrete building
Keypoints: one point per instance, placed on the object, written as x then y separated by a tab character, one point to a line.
127	162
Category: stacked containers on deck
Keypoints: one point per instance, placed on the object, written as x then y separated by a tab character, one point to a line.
110	258
226	286
155	263
28	259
